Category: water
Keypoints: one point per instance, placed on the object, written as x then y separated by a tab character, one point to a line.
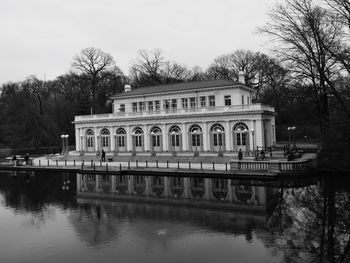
82	218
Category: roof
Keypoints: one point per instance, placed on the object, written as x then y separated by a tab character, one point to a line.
194	85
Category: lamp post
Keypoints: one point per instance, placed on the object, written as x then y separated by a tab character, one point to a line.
253	135
66	148
291	130
196	153
219	133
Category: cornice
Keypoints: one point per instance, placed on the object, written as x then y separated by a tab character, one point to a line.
182	116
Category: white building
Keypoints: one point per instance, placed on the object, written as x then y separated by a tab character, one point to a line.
202	116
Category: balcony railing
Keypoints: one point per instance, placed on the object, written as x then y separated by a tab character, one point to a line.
232	108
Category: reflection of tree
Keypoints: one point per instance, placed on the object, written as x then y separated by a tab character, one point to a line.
311	224
35	195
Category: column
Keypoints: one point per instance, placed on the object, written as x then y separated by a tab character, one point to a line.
112	148
82	141
165	138
146	140
96	139
206	137
228	137
259	133
129	143
184	137
77	140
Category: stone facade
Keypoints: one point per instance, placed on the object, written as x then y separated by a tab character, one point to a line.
206	116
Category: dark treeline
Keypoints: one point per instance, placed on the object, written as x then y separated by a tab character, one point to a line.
306	81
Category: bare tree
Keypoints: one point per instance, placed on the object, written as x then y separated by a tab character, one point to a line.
304	30
95	65
146	71
152	69
258	69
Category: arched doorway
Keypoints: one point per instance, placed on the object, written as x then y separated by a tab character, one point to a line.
138	140
241	137
105	140
121	140
90	140
217	138
195	138
156	139
175	139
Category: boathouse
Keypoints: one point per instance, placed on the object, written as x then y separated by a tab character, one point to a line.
203	117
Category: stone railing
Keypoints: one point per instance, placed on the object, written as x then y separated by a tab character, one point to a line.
272	166
233	108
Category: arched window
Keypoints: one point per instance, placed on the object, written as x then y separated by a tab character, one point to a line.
218	133
121	134
90	138
156	136
241	133
138	135
175	136
105	137
195	132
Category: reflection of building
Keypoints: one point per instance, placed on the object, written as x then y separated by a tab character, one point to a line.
215	116
223	191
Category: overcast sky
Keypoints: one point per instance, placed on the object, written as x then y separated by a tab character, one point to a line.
40	37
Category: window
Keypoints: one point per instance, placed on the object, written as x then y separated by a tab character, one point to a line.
212	101
134	106
121	141
156	140
192	102
166	105
157	105
150	106
175	140
241	139
105	141
196	140
248	100
242	100
228	100
90	142
138	141
184	103
141	105
203	101
174	104
122	108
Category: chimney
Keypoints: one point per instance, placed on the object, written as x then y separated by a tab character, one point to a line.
127	88
241	78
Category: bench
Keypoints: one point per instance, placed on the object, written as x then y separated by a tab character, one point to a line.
19	161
